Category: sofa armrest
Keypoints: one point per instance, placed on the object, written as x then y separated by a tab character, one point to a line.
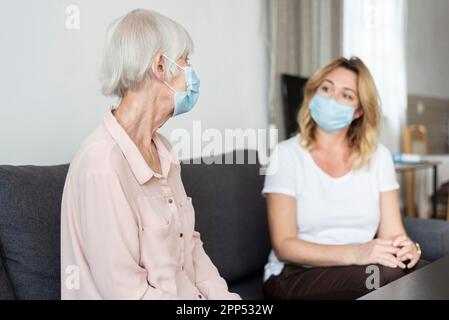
431	234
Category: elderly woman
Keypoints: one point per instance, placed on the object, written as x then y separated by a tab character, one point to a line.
332	196
127	225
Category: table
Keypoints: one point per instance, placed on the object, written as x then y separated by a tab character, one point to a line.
428	283
404	167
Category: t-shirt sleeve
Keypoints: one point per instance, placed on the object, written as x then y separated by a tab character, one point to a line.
387	173
281	176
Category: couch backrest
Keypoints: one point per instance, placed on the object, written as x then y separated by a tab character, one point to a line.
30	199
230	215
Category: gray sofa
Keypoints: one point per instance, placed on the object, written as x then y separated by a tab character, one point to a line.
231	217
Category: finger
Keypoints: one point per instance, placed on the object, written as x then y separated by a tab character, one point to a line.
389	249
385	242
405	243
399	240
402	252
388	263
413	262
401	264
389	260
404	258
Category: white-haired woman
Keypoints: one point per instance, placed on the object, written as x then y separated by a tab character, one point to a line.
332	196
127	225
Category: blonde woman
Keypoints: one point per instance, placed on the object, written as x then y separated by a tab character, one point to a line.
332	195
127	224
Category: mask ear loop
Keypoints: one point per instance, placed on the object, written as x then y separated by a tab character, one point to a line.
182	68
170	87
174	62
165	82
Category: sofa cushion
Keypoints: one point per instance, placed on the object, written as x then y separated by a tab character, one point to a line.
250	287
431	234
6	292
30	199
230	213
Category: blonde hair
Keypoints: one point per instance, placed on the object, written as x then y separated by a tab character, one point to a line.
363	132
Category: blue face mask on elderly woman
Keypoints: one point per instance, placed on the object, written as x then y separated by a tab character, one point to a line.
330	115
186	100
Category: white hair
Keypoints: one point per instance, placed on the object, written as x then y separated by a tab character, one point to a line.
132	43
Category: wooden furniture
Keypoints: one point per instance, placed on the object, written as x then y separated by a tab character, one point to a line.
414	142
409	169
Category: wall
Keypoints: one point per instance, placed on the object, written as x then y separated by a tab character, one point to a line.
428	48
49	86
428	70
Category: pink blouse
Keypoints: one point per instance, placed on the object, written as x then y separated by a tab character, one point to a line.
127	232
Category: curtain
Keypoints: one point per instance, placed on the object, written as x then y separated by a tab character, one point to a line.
375	31
305	34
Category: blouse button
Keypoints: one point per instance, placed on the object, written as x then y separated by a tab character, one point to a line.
170	200
200	296
181	235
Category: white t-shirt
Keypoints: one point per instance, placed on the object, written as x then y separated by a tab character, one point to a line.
343	210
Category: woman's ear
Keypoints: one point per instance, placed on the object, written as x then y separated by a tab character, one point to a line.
158	67
358	113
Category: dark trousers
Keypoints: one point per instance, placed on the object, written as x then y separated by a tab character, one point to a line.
349	282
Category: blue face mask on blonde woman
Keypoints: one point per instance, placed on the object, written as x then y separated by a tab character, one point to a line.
333	107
